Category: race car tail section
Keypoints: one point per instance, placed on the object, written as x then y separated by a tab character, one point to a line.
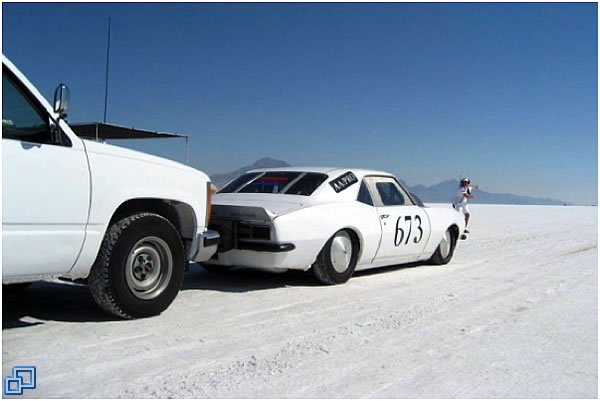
248	227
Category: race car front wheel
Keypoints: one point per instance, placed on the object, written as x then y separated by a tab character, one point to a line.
445	249
337	260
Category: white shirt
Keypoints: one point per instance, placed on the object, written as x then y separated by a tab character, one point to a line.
461	195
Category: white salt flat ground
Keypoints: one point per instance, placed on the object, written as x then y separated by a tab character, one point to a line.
514	315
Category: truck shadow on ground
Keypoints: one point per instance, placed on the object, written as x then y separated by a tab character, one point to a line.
53	301
67	302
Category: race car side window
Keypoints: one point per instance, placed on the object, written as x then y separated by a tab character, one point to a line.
387	192
407	199
363	194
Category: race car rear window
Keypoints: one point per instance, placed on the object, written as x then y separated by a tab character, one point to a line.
276	182
270	183
307	184
238	182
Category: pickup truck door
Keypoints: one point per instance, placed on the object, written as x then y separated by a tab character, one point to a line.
45	188
405	226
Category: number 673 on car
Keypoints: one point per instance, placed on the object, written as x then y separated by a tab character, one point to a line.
332	221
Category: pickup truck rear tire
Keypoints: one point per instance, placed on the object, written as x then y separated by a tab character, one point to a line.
140	266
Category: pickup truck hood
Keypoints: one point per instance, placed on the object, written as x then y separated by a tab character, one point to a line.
124	153
253	205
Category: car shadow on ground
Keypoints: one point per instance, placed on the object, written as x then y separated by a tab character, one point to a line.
388	269
239	279
43	301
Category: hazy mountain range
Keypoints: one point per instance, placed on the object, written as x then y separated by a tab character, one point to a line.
439	193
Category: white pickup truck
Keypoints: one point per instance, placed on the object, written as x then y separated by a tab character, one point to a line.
124	221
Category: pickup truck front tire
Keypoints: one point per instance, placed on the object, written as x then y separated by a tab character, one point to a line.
140	266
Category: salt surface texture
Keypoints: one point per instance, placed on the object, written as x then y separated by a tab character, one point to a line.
514	315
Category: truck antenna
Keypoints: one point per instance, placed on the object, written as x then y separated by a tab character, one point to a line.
107	61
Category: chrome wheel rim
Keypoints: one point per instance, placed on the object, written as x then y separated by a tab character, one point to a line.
446	245
149	268
341	251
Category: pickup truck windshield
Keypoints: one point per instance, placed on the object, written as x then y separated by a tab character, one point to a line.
276	182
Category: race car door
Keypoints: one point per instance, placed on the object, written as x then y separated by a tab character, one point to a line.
405	226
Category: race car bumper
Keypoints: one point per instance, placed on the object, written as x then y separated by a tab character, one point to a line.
265	246
207	243
299	255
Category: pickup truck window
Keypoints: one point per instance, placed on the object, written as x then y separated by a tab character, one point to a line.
20	118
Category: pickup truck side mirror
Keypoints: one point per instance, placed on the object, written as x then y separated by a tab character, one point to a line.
61	100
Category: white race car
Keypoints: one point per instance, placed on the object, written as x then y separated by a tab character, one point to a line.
330	220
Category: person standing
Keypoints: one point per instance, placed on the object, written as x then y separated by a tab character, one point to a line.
463	195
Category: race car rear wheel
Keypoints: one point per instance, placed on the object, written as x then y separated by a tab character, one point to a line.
337	260
445	250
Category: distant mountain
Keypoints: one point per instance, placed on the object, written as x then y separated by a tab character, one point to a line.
445	191
221	179
439	193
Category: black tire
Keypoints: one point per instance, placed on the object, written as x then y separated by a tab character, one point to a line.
324	269
445	250
139	269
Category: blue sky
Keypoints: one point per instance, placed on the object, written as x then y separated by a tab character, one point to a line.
505	93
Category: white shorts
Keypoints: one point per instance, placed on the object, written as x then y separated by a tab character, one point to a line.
461	208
